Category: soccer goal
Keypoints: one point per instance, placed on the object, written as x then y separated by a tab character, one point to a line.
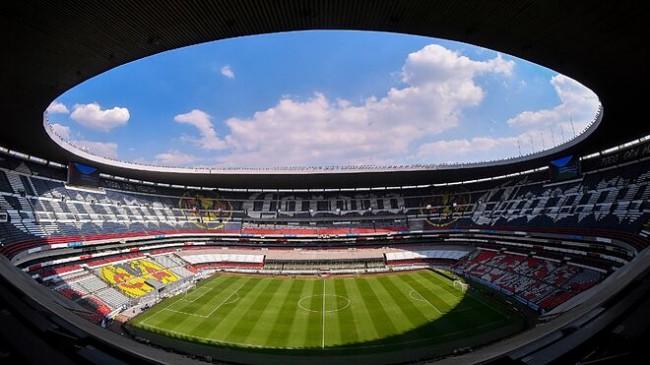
190	288
460	285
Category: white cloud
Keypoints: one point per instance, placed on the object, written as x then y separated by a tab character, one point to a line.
175	158
545	128
62	130
487	148
432	65
438	84
472	150
577	104
57	107
104	149
462	146
227	72
537	130
92	116
201	120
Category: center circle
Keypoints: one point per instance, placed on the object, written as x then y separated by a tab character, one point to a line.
324	303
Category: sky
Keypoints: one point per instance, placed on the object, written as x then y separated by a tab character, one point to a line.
323	98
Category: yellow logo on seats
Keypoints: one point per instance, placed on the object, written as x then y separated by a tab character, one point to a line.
205	213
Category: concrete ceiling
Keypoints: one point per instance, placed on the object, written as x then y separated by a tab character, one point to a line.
49	47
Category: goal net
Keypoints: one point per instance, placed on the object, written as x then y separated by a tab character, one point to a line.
460	285
190	288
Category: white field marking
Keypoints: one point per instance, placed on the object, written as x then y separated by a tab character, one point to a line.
301	306
323	309
202	289
236	298
214	341
166	307
224	302
479	299
445	287
421	298
442	283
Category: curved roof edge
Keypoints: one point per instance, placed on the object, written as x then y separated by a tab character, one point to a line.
598	44
298	170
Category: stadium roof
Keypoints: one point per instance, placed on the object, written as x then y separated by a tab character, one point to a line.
50	47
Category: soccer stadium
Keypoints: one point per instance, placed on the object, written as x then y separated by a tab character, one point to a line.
535	259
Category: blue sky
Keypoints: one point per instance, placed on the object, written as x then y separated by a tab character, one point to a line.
315	98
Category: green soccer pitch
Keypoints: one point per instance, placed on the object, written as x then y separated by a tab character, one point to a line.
336	315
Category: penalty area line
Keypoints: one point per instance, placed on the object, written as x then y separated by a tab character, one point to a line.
225	301
421	298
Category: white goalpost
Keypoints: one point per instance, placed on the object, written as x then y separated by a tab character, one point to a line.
460	285
190	288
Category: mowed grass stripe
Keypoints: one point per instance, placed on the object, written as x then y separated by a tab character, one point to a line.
220	307
259	314
270	311
283	312
417	316
210	327
171	315
449	292
237	324
439	287
219	294
479	313
287	315
449	323
201	304
429	292
298	330
346	327
362	318
375	303
395	305
417	312
311	327
454	324
334	304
